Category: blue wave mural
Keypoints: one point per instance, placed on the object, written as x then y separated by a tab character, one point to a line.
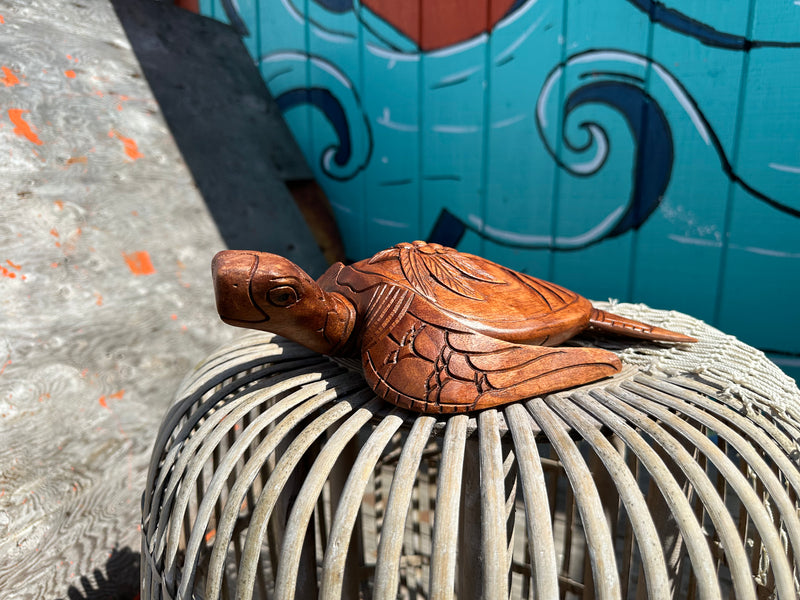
629	132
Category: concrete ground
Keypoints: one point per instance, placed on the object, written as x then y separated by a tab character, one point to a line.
136	141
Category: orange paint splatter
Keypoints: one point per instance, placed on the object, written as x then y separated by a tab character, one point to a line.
54	265
6	273
103	400
99	297
210	535
131	149
139	263
13	266
174	317
8	78
44	397
21	127
77	159
69	73
59	204
3	368
2	20
53	232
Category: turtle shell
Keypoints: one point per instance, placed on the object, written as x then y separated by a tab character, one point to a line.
477	293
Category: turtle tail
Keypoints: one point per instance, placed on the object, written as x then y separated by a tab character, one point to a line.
606	322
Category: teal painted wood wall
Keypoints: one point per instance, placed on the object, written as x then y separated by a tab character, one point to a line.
639	150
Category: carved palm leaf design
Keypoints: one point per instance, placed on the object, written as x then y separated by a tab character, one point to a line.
425	266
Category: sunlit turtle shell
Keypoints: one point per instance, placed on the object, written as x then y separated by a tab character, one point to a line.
437	330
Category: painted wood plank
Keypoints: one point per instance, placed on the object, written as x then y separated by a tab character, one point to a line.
520	172
282	59
391	76
762	276
594	194
245	20
697	87
454	87
335	83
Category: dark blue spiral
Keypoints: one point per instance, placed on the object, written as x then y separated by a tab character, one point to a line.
652	138
329	106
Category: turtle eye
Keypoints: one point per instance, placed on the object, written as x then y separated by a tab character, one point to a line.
282	296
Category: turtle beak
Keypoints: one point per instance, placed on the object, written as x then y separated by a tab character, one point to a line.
232	272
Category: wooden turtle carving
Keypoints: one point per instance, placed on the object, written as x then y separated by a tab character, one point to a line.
438	331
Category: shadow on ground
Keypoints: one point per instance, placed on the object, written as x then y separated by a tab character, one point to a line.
227	127
118	580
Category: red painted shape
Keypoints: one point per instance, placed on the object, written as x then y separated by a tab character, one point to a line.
21	127
70	73
139	263
8	78
192	5
436	24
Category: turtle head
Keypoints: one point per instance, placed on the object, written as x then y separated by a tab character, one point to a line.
258	290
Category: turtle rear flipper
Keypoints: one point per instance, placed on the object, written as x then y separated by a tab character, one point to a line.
435	370
607	322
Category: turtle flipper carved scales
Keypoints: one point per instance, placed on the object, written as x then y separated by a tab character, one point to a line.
601	320
431	369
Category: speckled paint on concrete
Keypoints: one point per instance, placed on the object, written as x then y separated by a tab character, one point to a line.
105	301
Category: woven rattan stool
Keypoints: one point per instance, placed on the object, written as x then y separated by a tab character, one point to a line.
278	474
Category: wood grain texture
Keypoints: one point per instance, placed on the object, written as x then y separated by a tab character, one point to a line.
437	330
105	299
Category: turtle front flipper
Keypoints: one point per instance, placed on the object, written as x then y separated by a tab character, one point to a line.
610	323
431	369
